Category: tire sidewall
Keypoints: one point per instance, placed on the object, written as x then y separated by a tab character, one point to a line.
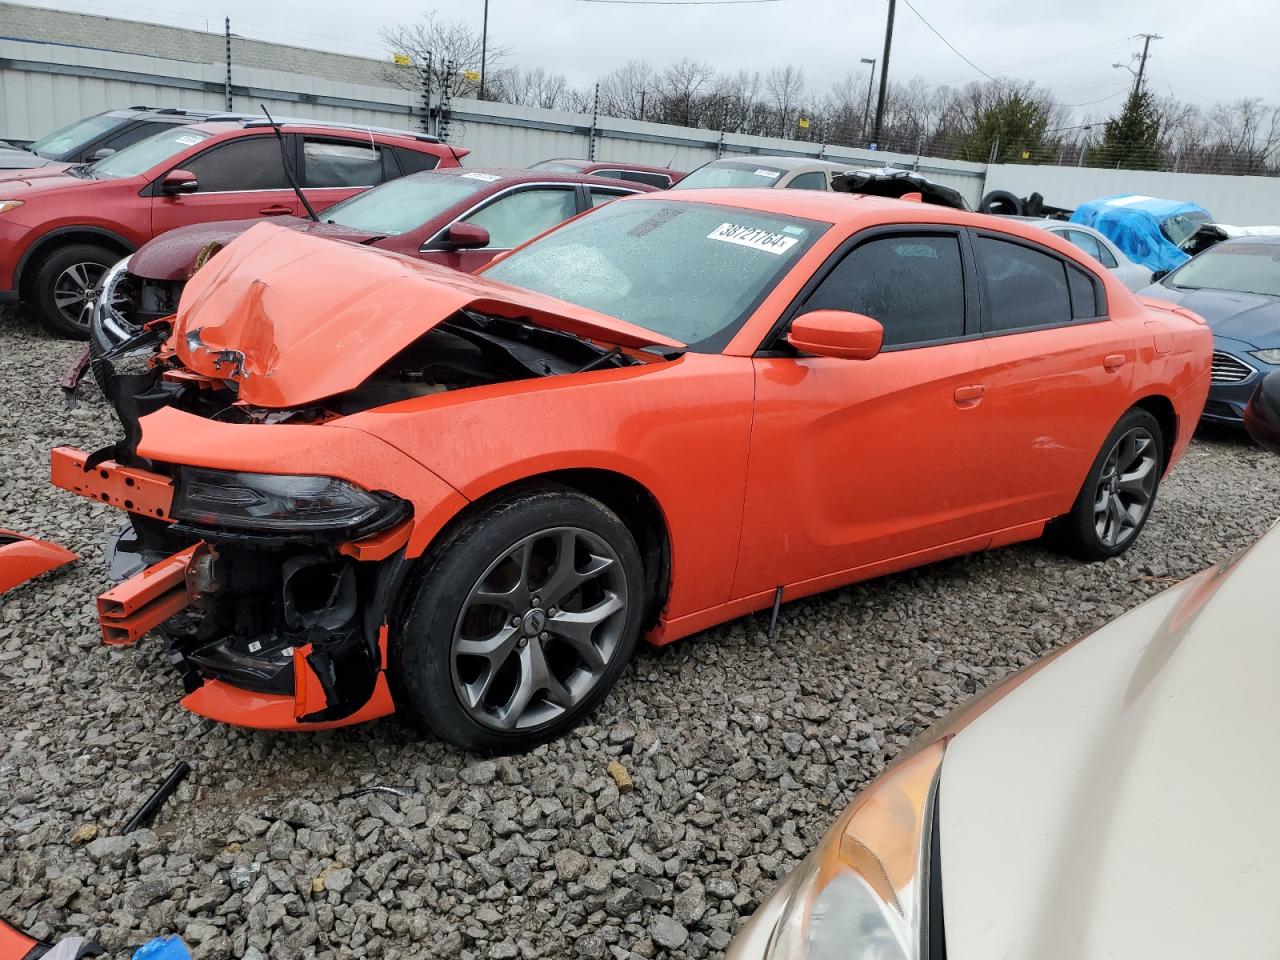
1082	535
42	302
419	654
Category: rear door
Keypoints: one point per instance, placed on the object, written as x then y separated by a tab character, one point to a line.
1060	376
334	168
237	179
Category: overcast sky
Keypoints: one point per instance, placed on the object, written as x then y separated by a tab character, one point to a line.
1210	51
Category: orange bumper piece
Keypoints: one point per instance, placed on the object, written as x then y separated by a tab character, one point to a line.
22	558
260	711
128	611
138	491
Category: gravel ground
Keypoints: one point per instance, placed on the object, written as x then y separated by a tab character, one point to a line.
742	750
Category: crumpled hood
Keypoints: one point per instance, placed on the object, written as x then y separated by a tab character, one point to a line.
1248	317
172	255
294	318
1121	800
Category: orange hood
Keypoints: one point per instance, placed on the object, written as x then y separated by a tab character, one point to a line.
294	318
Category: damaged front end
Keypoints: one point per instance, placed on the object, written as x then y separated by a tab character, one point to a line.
263	542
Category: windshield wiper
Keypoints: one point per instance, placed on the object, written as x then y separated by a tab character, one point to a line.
288	167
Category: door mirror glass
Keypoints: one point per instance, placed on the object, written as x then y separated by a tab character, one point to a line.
1158	275
101	154
837	333
1262	415
466	236
179	181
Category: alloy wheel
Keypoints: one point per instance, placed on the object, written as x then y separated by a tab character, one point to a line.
1126	487
539	629
76	290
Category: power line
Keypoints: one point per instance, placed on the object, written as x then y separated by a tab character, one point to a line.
949	43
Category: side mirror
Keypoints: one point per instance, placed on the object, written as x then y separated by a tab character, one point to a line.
101	153
179	181
1158	275
1262	415
466	236
837	333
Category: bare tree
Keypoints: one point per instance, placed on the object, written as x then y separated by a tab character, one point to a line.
785	88
629	91
1248	131
528	88
440	40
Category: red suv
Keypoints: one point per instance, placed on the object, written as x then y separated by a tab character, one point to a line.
60	230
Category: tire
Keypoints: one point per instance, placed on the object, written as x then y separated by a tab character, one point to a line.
499	677
70	271
1110	510
1001	203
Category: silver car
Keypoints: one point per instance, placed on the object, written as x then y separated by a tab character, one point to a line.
1132	275
796	173
1117	799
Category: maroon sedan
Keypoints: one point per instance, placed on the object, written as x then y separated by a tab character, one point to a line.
461	218
660	177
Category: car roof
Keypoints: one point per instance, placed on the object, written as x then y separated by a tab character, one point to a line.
143	113
510	176
611	165
790	164
225	123
1268	238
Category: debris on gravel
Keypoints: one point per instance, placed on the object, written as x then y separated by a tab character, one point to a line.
739	751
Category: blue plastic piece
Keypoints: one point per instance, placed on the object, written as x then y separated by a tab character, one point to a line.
1138	224
163	948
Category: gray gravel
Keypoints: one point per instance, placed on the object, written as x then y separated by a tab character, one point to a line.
742	750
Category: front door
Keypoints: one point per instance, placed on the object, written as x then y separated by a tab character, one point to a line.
237	180
856	462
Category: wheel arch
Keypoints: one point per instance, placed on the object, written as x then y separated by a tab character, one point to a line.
1161	407
636	505
64	236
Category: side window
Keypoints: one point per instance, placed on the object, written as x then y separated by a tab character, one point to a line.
415	161
513	219
250	163
1024	287
600	197
659	180
914	285
1086	295
809	181
333	163
1106	256
139	131
1084	242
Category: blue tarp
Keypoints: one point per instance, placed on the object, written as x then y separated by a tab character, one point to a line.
1133	223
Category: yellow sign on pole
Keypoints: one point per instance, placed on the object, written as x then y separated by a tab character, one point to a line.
472	75
1026	154
401	59
804	123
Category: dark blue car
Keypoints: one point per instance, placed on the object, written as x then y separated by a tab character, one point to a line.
1235	286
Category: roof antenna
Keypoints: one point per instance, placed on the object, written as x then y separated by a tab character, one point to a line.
288	167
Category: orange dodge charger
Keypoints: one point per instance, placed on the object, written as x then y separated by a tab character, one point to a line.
359	483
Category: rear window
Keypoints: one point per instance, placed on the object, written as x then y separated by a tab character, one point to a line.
737	174
660	180
416	161
556	166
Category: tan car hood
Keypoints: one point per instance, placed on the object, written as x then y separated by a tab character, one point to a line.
1121	802
294	318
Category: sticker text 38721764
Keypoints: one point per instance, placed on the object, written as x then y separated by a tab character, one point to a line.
753	237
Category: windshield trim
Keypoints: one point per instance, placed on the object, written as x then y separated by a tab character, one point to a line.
718	341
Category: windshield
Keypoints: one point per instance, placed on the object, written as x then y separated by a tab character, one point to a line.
1244	267
1180	227
692	272
557	166
401	205
145	154
67	142
730	175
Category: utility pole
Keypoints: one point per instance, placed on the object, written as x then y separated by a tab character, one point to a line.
226	85
1142	62
871	85
484	46
884	72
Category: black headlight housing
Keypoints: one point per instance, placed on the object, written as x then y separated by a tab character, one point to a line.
273	505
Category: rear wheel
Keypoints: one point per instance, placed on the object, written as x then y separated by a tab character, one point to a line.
521	623
66	286
1116	499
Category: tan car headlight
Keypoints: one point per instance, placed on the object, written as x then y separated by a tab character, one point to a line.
862	894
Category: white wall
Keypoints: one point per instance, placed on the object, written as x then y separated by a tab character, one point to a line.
1238	200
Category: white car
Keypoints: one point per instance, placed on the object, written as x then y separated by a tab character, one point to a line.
1132	275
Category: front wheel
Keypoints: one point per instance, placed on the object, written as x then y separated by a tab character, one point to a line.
520	623
66	286
1119	492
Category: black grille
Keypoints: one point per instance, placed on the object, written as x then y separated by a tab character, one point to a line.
1227	369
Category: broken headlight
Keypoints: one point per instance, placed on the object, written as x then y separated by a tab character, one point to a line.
862	894
286	503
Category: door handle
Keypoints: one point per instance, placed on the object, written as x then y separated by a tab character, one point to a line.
275	210
970	396
1113	362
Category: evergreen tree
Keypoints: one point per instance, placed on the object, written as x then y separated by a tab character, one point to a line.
1131	139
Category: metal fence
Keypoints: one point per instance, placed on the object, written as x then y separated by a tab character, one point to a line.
44	86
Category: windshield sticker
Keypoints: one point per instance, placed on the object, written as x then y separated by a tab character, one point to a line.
753	237
771	174
486	177
187	139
